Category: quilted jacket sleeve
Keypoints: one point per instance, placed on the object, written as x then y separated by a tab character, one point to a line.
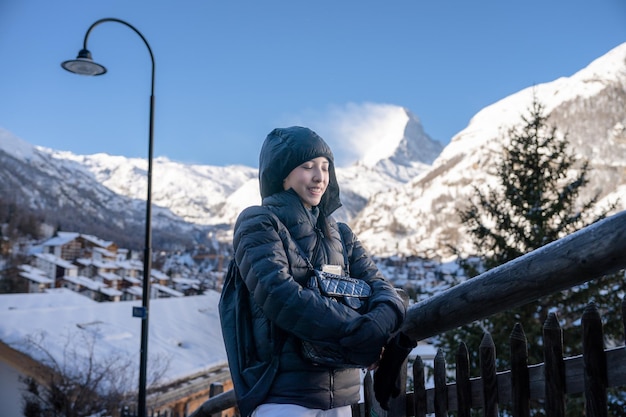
263	255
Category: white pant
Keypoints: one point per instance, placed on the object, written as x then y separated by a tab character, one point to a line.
290	410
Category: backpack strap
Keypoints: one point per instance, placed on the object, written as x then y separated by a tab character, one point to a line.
345	234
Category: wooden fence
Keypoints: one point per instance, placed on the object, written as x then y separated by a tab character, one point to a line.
590	253
548	384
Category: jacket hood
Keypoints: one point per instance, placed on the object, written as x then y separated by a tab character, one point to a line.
286	148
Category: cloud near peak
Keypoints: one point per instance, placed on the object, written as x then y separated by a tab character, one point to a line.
366	132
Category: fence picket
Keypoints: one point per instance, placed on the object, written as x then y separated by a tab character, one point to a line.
441	387
554	367
419	388
520	378
487	354
594	360
463	386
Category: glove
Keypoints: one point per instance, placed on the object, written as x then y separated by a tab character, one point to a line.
387	378
368	334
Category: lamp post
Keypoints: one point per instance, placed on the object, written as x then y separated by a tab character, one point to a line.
84	65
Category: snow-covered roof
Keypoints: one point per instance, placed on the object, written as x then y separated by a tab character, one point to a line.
105	264
94	285
38	277
133	280
85	282
104	252
186	281
131	265
97	241
111	292
186	331
110	276
168	290
155	273
83	261
31	269
136	291
61	239
48	257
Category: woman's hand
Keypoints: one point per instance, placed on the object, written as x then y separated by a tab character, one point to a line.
368	334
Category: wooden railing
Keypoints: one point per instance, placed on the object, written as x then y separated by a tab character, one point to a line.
595	251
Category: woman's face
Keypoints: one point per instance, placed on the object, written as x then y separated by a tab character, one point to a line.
309	180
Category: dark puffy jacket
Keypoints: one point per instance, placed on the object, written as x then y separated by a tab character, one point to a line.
275	275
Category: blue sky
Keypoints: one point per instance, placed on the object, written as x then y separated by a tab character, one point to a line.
228	72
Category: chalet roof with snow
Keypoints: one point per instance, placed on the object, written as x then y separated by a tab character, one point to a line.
50	258
61	238
34	274
167	290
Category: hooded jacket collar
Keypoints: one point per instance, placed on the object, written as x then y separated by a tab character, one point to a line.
286	148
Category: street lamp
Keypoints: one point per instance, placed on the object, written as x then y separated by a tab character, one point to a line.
84	65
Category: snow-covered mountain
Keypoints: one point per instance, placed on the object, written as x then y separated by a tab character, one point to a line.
211	195
421	217
402	197
64	193
193	200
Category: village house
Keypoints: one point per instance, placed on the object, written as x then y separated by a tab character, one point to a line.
92	267
71	245
35	278
55	267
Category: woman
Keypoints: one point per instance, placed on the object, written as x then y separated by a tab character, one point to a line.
272	243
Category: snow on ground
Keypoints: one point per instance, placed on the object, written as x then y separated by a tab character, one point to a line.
184	331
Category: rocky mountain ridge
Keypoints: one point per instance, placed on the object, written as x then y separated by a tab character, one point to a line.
406	203
197	203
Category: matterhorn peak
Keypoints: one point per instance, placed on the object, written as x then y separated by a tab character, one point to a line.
397	135
415	145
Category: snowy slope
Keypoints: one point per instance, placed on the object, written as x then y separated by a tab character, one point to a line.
174	335
421	216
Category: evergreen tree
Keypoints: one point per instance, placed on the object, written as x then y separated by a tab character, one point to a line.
538	198
537	202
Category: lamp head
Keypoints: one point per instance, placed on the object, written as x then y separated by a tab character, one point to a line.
83	64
